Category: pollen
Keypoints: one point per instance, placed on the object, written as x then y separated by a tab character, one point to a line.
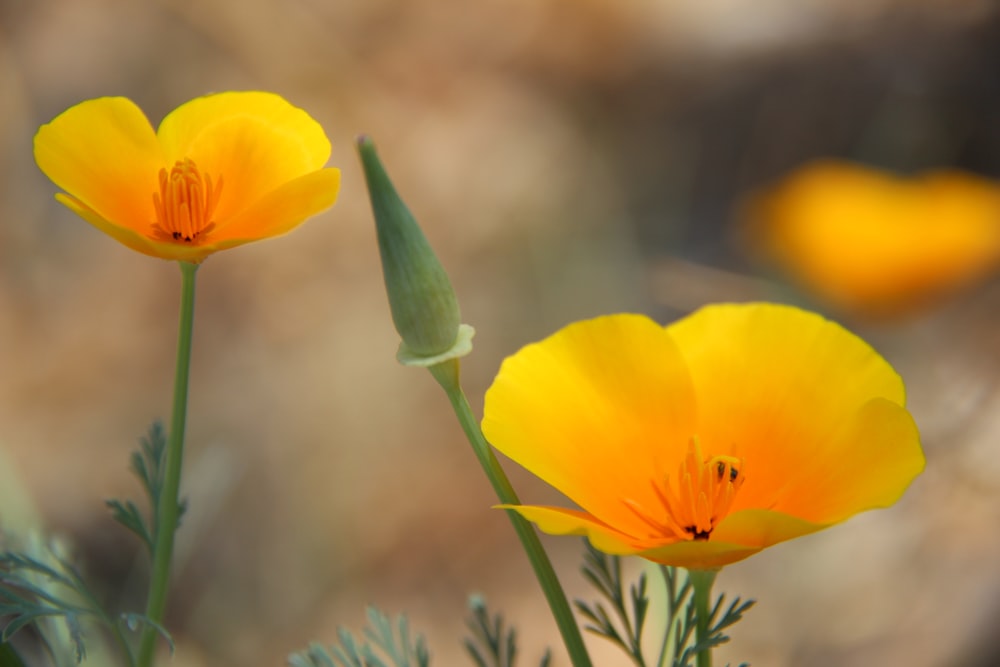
185	204
694	502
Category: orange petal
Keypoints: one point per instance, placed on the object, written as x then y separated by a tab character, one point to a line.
598	410
280	211
775	386
105	155
560	521
870	241
698	554
256	141
134	240
871	462
738	536
762	528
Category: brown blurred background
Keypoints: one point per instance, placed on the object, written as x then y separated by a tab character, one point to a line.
566	158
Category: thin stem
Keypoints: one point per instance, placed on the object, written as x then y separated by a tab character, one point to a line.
168	506
668	633
701	582
447	375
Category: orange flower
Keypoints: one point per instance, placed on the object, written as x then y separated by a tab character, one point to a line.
221	171
703	442
870	242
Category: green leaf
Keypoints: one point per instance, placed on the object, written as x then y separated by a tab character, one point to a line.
492	644
604	573
133	621
147	463
129	516
621	618
384	640
33	590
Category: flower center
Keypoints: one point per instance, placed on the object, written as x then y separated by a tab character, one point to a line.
698	498
185	204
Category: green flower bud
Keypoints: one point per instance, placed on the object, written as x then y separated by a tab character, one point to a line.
424	308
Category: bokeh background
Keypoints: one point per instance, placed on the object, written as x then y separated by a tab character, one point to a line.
566	159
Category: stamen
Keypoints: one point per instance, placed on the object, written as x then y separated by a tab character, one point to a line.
185	204
667	526
704	495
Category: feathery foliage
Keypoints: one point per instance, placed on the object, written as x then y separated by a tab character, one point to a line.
492	644
621	614
384	644
147	463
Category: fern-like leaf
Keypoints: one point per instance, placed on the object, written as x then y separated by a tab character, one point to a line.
147	463
622	612
492	643
32	591
383	640
624	625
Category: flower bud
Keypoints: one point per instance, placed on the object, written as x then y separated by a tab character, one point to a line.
424	308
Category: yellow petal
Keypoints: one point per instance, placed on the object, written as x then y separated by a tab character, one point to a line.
560	521
134	240
870	241
598	410
256	141
775	385
698	555
738	536
872	461
105	155
761	528
280	211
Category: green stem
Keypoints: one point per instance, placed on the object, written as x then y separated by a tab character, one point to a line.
447	375
701	583
168	505
669	644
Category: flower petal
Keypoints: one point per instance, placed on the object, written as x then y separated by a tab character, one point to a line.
132	239
598	410
698	554
279	212
870	241
877	456
258	141
775	386
105	155
738	536
560	521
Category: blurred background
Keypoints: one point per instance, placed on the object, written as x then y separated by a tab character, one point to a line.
566	159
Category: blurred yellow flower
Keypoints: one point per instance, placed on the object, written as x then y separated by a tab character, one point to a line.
872	243
221	171
701	443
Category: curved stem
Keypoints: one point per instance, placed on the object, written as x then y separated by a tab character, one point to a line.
701	582
447	375
168	505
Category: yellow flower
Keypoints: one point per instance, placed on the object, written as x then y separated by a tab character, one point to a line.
221	171
701	443
872	243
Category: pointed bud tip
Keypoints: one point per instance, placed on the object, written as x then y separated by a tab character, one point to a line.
423	304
